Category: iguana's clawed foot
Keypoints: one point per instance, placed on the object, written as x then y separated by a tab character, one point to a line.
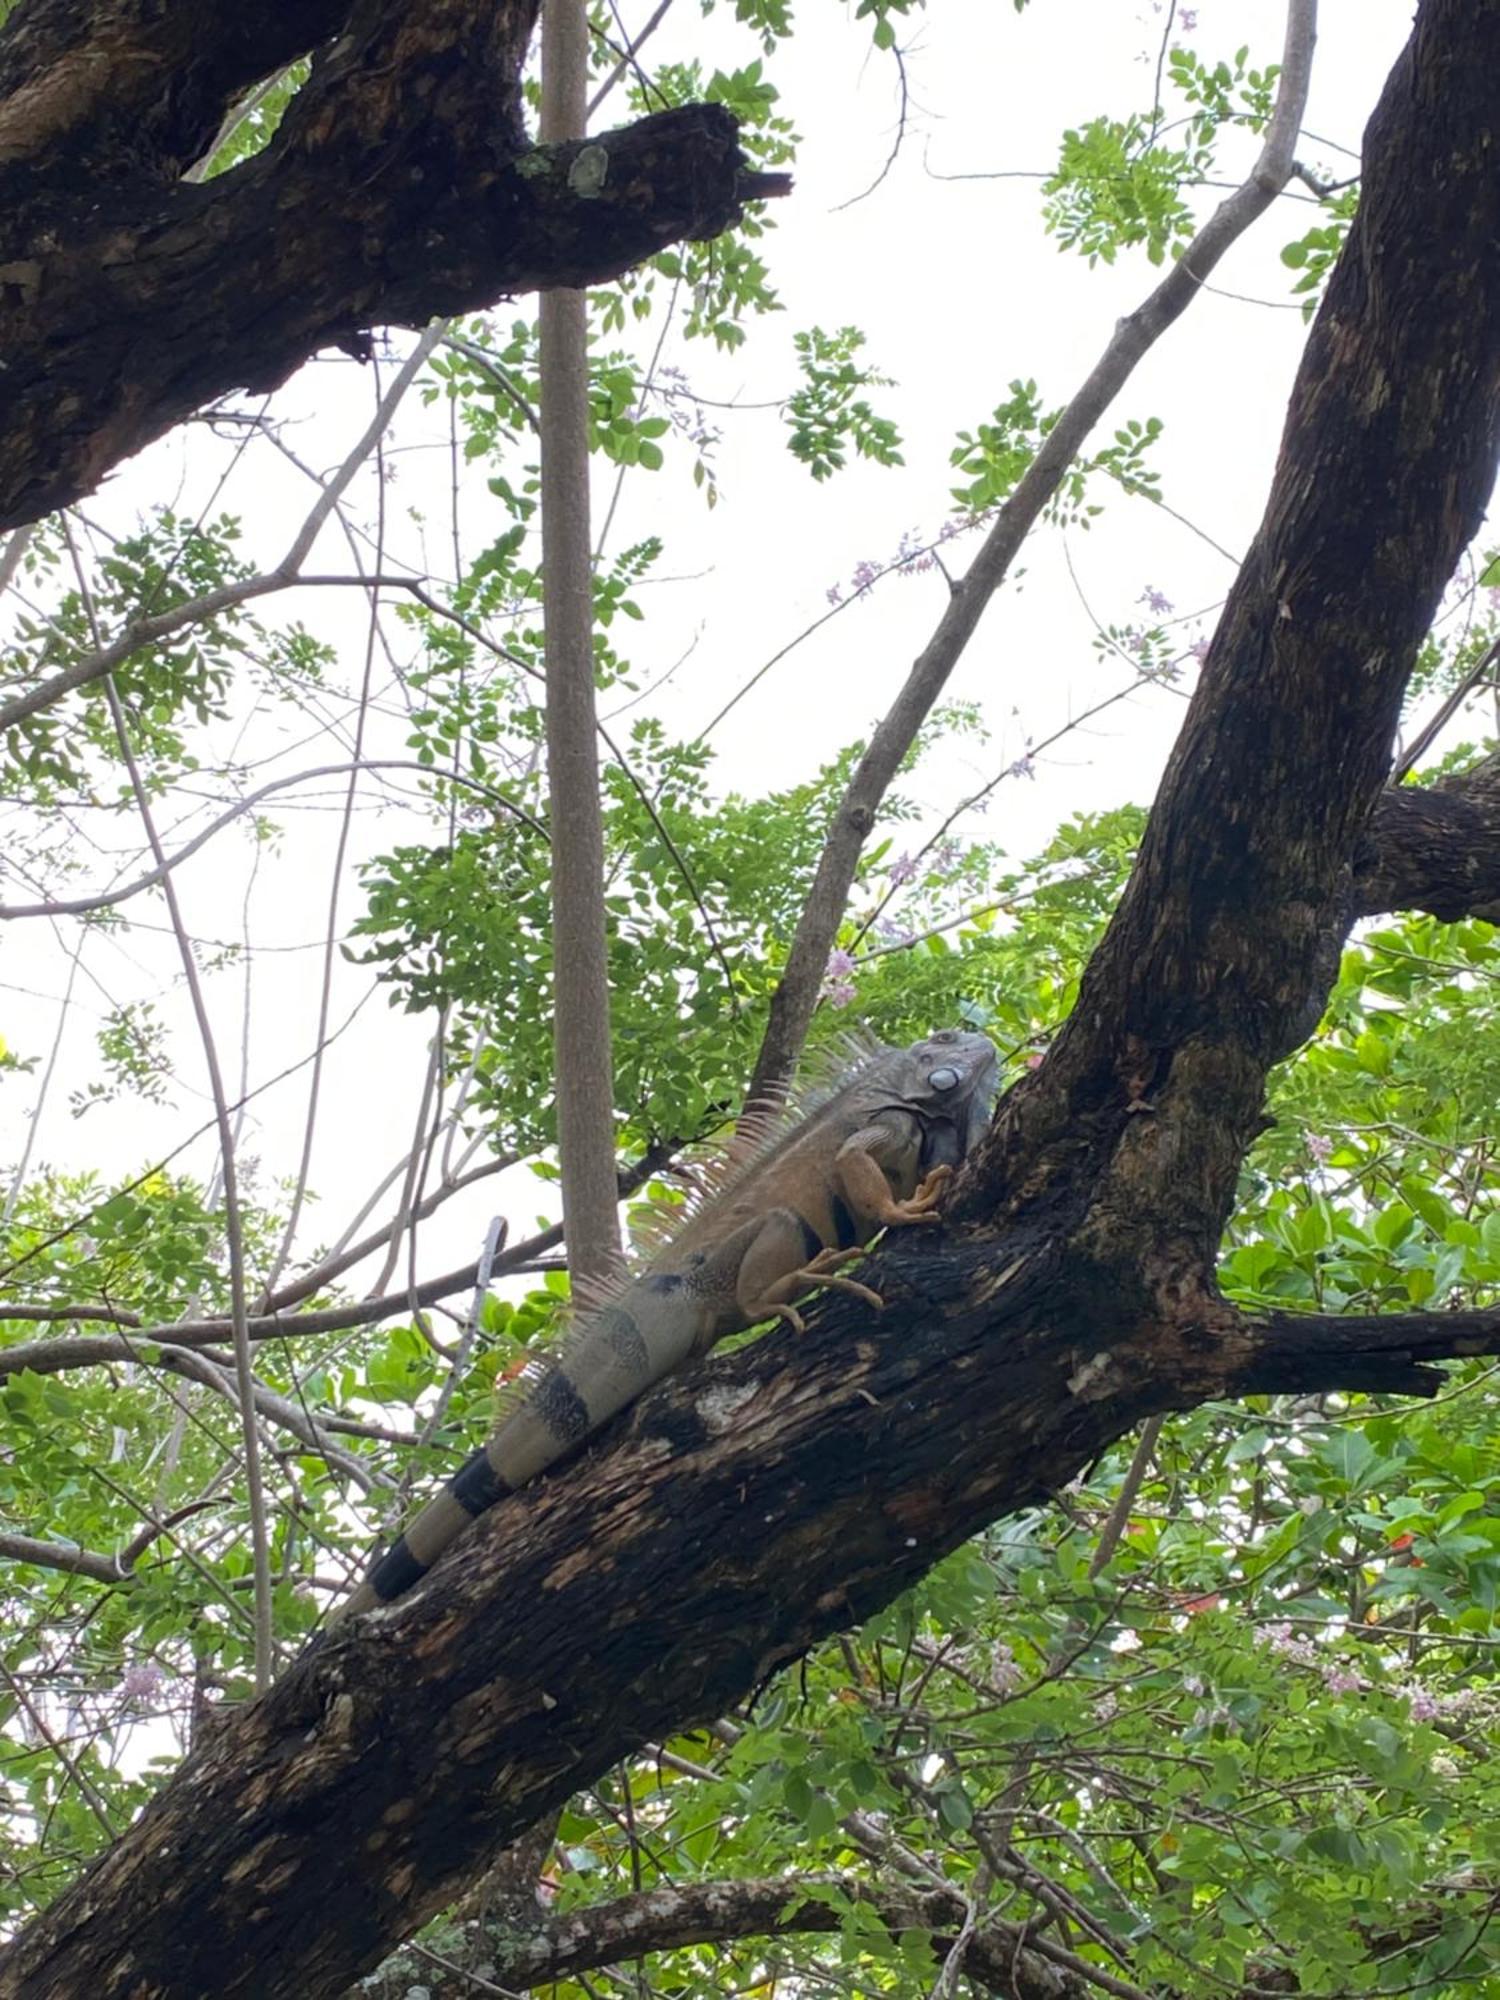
831	1283
816	1269
820	1270
922	1205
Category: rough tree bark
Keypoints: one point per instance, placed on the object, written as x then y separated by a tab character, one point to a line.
741	1514
401	185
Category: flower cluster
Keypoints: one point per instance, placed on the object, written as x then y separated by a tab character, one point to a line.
838	979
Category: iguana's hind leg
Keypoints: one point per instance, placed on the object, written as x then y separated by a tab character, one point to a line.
781	1261
775	1298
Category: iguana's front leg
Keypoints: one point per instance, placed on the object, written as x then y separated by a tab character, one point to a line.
863	1172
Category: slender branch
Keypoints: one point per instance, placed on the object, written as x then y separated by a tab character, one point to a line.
796	996
86	1562
1130	1486
385	409
337	1262
52	1357
580	977
65	1556
1433	728
200	1367
494	1237
60	1751
415	1157
64	1010
233	1229
81	1218
628	59
11	1309
76	906
147	631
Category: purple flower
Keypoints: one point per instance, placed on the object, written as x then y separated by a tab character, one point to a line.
1422	1706
1277	1636
903	870
1199	650
838	979
1319	1146
1342	1680
141	1680
835	594
1023	767
1155	601
1187	20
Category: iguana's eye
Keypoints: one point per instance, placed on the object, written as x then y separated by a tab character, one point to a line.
944	1078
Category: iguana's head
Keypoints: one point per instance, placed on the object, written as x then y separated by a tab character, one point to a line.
956	1076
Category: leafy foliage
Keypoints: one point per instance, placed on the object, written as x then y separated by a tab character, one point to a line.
826	412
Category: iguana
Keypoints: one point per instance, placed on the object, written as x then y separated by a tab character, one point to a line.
873	1151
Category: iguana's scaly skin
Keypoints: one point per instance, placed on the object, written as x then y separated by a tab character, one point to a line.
873	1155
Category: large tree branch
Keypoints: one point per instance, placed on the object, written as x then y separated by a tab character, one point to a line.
1217	960
1305	1353
137	86
401	185
998	1956
1434	848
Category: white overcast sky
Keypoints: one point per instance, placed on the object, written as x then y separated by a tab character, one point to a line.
947	270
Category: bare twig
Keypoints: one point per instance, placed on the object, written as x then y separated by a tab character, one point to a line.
1130	1486
146	631
628	59
76	906
233	1232
330	939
